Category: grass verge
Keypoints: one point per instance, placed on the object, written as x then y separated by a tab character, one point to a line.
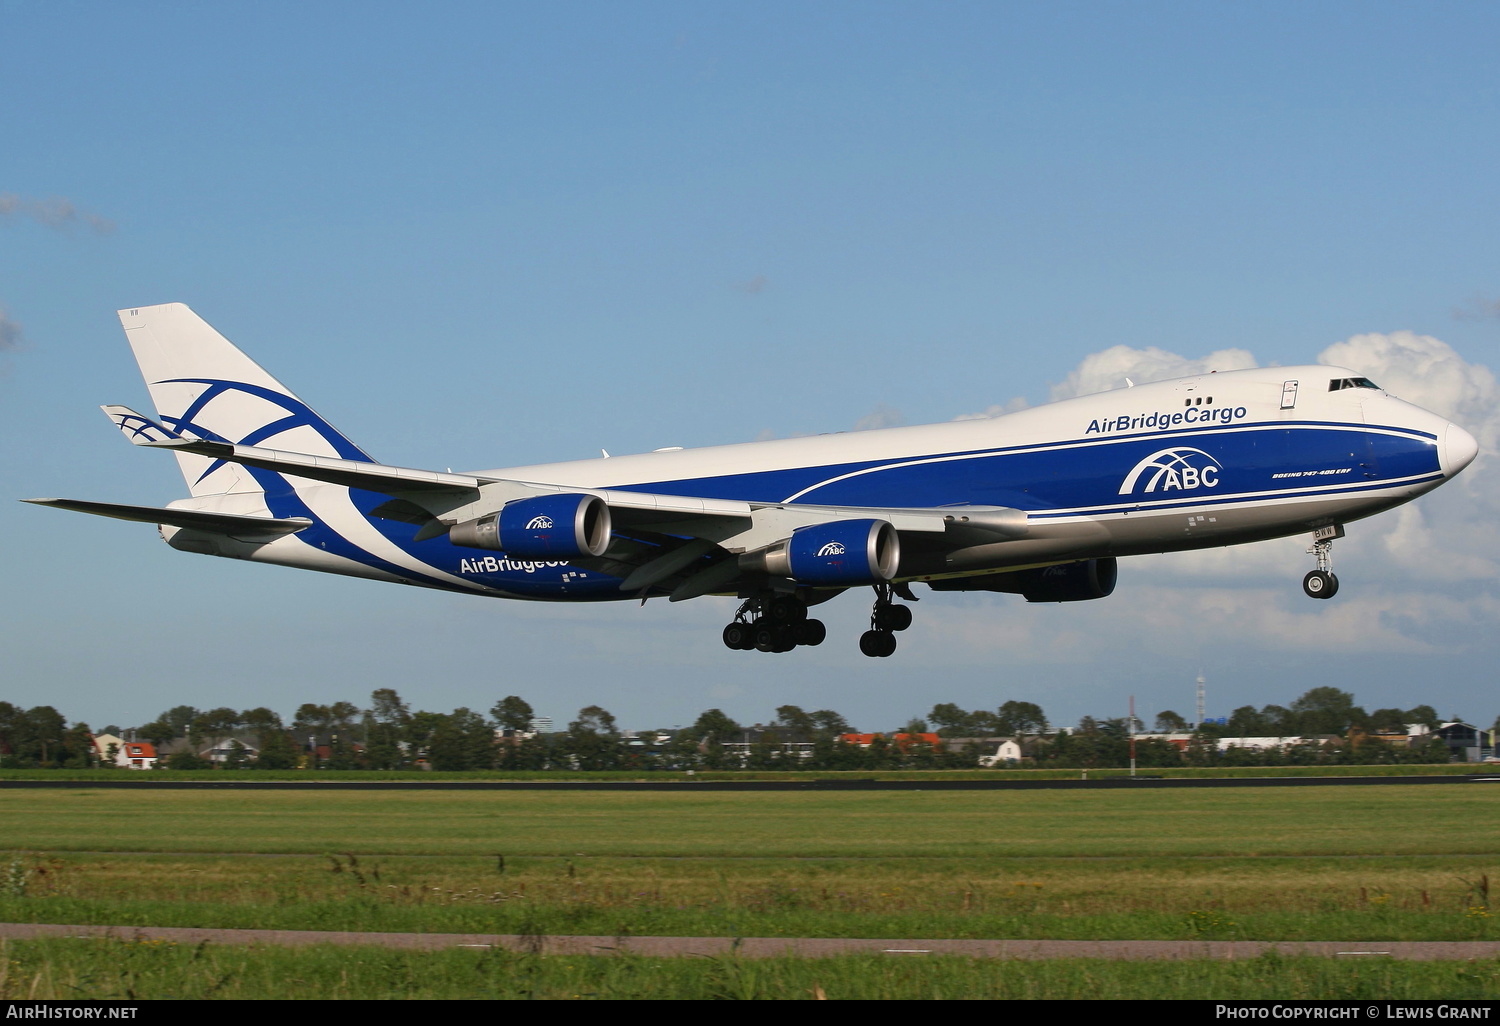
146	970
1407	898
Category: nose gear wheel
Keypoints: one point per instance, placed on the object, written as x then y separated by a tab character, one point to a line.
1321	583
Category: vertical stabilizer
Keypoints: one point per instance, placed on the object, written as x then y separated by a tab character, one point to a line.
204	387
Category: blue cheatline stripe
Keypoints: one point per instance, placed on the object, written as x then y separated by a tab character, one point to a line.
1220	501
1264	426
692	486
1076	474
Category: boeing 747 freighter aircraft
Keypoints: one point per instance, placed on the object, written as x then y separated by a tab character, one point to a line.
1039	503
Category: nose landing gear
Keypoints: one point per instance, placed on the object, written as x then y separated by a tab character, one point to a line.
1321	583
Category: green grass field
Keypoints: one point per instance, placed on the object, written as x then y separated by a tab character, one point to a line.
1324	863
1385	820
133	970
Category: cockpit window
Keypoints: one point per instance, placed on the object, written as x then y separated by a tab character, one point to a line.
1338	383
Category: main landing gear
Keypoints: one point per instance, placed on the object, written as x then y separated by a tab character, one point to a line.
777	622
1321	583
773	623
885	619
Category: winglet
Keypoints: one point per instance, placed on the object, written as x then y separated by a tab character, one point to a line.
137	428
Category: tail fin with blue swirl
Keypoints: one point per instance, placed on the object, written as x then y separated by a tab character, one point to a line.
204	387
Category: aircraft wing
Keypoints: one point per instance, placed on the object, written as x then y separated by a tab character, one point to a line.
198	520
686	542
644	510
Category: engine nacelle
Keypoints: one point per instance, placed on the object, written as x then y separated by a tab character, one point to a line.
844	552
1066	582
551	527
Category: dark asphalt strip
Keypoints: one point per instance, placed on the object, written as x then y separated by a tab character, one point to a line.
1109	783
770	947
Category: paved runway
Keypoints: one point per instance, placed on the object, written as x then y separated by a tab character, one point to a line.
678	784
769	947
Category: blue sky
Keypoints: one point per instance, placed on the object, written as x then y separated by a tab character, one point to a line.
475	235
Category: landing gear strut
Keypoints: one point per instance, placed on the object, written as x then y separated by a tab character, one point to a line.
1321	583
885	619
773	623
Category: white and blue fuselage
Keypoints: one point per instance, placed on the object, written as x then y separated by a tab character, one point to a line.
1212	460
1040	502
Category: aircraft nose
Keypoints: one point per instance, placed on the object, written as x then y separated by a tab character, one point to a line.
1458	449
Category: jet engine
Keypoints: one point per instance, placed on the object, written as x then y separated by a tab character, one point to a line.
1066	582
843	553
564	526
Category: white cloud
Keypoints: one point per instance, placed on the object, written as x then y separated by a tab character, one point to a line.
1108	369
997	410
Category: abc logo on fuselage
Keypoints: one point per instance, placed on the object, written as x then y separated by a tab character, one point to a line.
1171	470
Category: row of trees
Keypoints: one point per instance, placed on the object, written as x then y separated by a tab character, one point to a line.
1320	711
389	734
42	737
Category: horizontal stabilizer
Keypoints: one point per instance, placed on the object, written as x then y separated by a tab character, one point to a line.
138	428
197	520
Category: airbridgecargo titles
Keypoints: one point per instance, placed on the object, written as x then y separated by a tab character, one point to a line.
491	565
1164	421
1019	504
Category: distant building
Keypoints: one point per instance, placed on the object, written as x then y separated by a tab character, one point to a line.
902	741
1266	744
785	744
107	748
1006	752
1177	739
139	755
241	748
1466	742
988	752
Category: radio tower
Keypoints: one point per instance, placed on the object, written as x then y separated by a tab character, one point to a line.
1200	698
